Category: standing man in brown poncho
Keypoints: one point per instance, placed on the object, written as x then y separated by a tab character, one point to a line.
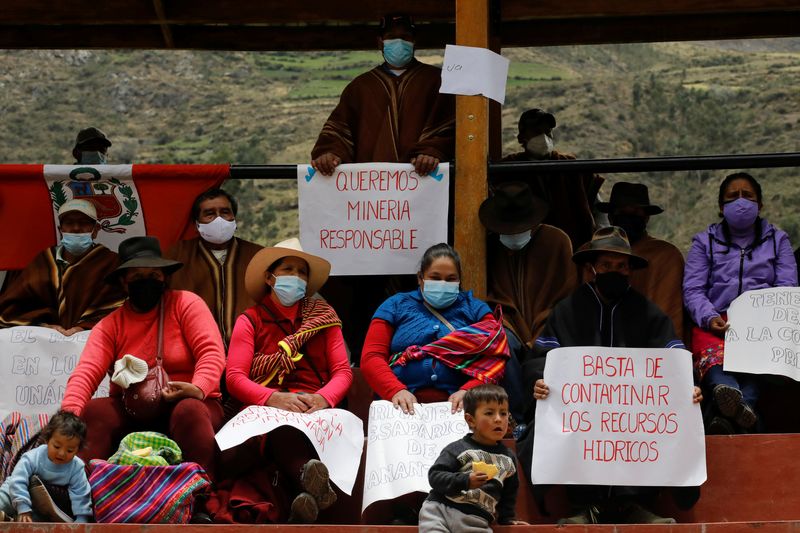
395	114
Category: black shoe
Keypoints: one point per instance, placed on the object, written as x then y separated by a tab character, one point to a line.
315	479
746	418
720	426
201	518
636	514
304	509
588	515
728	400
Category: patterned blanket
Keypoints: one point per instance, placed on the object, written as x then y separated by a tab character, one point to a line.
479	350
145	494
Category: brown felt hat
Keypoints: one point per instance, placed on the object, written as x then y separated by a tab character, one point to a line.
625	194
512	209
142	252
609	239
256	287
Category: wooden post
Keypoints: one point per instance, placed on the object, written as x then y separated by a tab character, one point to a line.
472	149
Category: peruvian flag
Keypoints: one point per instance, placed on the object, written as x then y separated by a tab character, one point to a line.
131	200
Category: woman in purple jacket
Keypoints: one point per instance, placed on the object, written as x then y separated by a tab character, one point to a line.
743	252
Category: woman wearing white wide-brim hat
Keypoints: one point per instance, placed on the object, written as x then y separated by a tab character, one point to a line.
288	352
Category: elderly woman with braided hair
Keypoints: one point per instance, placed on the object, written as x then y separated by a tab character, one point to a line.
288	352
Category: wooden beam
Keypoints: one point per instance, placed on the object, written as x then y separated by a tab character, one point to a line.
223	37
472	150
522	9
550	32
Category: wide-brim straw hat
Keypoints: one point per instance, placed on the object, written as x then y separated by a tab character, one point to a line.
142	252
256	287
512	209
610	239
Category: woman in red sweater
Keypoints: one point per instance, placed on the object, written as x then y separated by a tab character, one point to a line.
306	372
193	358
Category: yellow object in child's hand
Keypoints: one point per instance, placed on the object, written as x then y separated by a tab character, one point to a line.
143	452
486	468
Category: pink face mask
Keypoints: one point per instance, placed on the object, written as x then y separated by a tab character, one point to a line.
741	213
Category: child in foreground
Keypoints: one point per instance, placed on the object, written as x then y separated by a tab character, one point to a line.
474	481
54	463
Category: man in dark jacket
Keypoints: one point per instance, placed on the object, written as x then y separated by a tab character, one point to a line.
605	311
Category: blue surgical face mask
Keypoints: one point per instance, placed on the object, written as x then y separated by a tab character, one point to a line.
516	241
76	243
440	294
397	52
289	289
93	158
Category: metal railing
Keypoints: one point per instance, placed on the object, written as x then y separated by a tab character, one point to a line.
600	166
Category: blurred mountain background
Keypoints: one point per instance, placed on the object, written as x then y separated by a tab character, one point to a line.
633	100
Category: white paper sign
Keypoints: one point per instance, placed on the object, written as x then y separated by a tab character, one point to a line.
401	448
336	434
764	333
468	70
372	218
619	416
34	368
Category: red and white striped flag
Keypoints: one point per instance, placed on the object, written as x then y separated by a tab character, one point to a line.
131	200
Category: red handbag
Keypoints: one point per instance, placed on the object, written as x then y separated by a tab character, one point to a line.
143	401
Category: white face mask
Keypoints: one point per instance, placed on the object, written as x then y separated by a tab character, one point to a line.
539	146
516	241
218	231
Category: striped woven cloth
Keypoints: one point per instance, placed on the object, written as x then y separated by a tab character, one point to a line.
479	350
316	315
163	450
17	432
145	494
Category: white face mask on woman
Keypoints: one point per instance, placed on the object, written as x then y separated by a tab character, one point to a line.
539	146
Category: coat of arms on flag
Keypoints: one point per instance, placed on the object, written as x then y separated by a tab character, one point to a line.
112	191
131	200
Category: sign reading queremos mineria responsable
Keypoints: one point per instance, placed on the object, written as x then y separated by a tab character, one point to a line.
619	416
372	218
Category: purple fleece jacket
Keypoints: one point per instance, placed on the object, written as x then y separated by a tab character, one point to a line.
717	271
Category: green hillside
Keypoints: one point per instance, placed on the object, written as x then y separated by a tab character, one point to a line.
610	101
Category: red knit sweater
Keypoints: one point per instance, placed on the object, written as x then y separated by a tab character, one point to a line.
193	349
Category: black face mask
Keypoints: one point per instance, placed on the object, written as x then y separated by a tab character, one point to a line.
633	225
145	293
612	285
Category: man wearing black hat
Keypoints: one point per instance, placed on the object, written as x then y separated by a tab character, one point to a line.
604	311
393	113
529	266
570	195
91	147
629	208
